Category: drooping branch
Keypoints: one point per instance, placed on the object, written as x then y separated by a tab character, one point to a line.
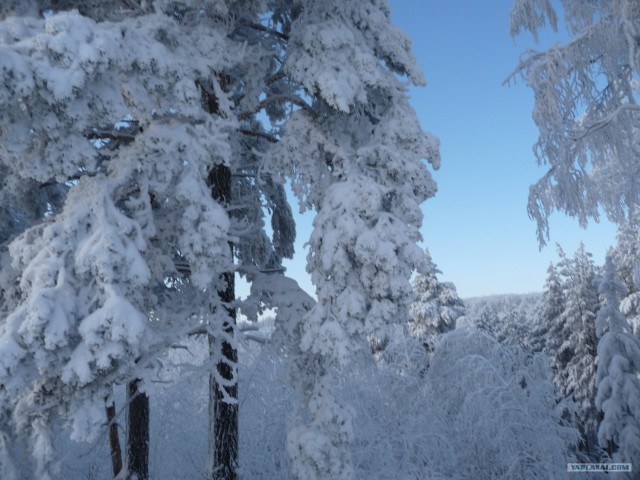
603	122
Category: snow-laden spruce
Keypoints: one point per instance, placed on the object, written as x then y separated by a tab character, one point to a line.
436	307
575	357
626	256
586	108
618	385
547	330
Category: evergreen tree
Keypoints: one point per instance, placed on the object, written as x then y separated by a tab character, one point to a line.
355	158
546	332
510	318
118	126
129	114
618	381
436	307
575	358
626	256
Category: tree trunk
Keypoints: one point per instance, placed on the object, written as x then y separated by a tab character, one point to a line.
137	433
223	416
114	439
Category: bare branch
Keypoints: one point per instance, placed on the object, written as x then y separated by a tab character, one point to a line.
95	134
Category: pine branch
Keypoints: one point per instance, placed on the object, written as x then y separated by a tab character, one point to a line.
275	77
127	134
72	178
275	99
252	133
262	28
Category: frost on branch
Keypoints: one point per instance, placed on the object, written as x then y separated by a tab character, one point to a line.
586	109
532	16
500	417
338	56
78	320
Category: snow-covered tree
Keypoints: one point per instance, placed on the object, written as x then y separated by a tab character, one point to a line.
356	159
618	382
546	331
508	318
140	128
131	117
436	307
586	108
575	357
499	417
626	256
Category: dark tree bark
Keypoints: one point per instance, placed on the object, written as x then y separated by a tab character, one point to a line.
223	416
137	433
114	439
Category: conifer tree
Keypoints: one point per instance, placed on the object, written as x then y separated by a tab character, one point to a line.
118	113
575	358
618	383
626	255
436	307
546	332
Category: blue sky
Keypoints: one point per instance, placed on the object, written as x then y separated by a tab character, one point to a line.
477	228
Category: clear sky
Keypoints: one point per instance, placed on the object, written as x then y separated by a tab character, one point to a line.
477	228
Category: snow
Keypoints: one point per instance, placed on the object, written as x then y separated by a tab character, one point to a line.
585	108
618	386
117	280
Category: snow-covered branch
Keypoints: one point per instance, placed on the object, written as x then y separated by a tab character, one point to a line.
278	99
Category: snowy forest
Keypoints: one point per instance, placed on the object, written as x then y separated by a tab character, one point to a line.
152	154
